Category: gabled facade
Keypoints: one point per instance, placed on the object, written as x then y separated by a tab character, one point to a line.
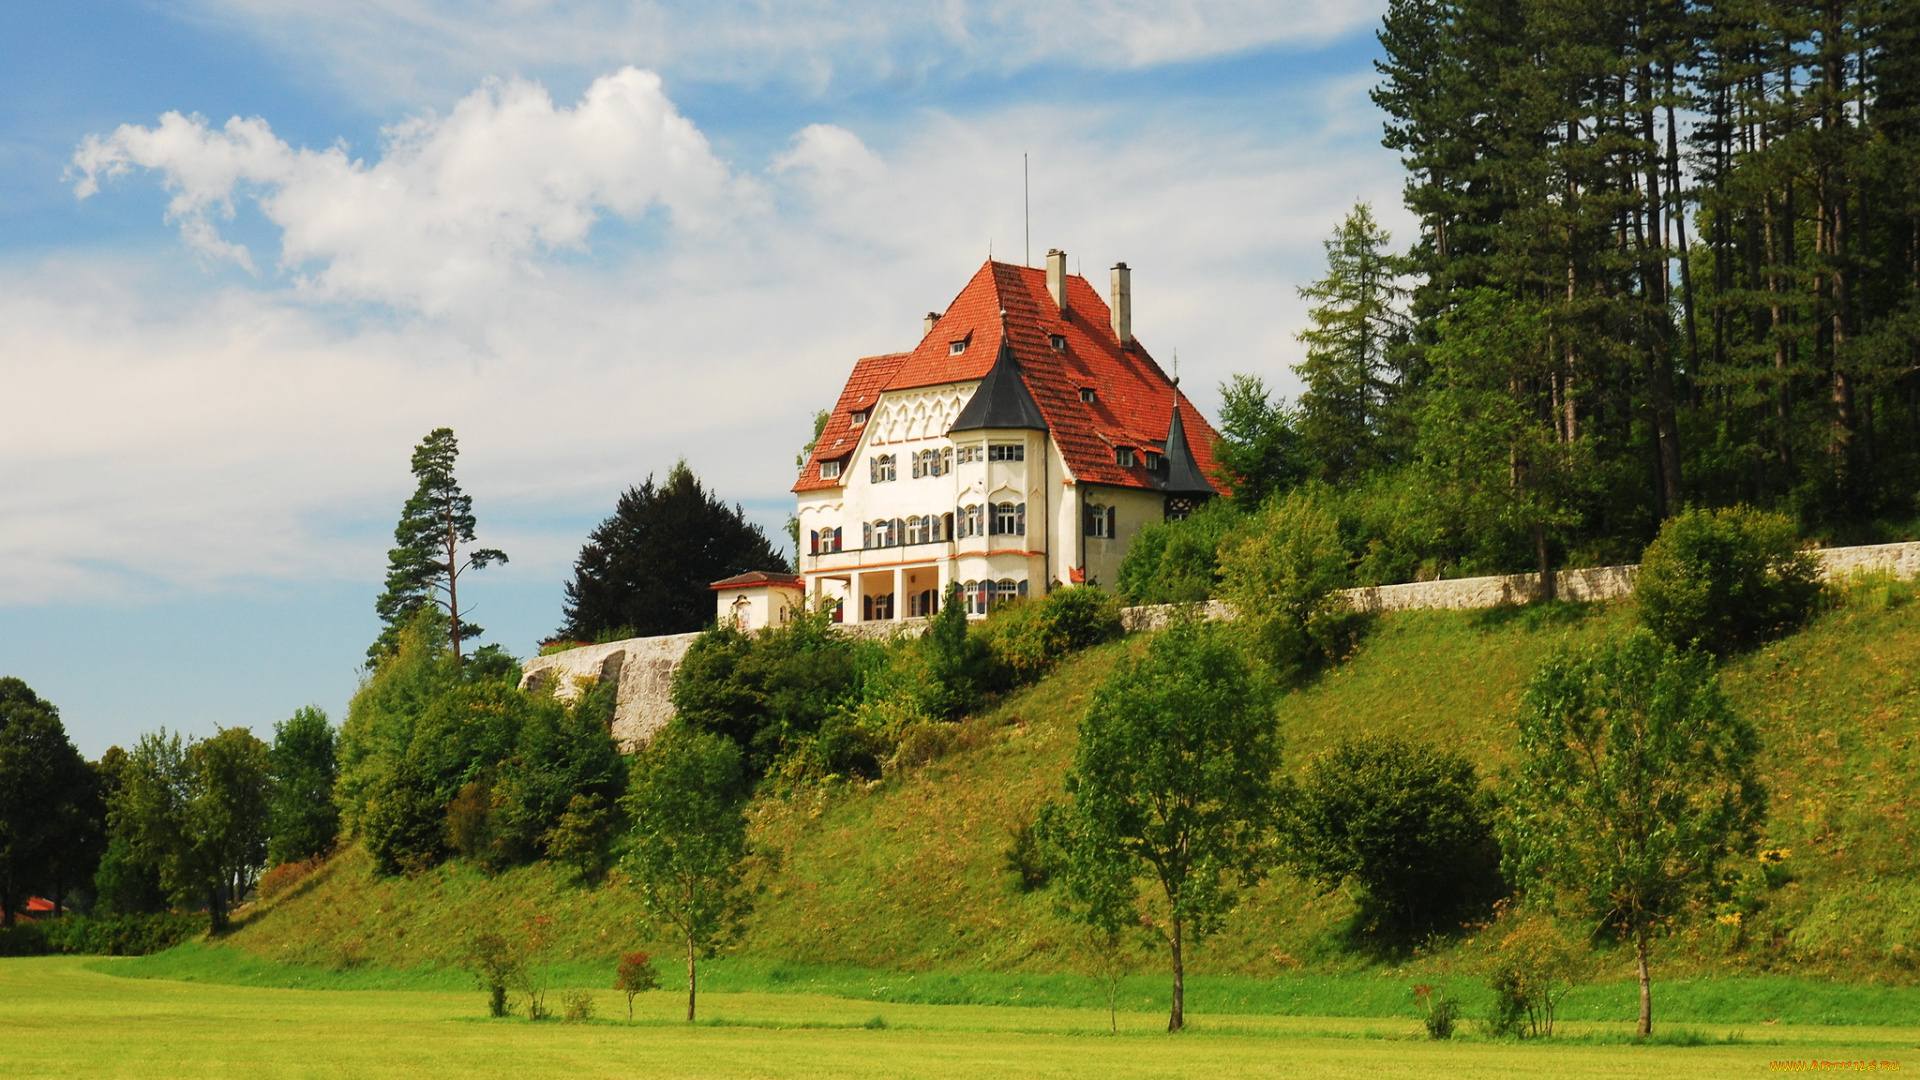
1018	447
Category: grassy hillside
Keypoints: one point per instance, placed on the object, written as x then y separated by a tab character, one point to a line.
910	874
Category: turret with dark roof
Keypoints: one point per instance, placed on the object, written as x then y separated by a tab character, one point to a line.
1002	401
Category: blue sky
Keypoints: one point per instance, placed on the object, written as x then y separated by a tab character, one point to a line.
252	250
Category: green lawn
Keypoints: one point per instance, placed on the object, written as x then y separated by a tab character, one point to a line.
72	1017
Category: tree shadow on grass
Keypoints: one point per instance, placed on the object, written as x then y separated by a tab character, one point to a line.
1541	615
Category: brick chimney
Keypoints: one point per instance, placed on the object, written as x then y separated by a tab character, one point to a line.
1057	277
1122	303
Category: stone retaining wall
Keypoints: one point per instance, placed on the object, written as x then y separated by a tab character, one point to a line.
644	667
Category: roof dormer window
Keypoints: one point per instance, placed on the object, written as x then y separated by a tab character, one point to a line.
955	348
1058	341
1153	461
859	417
1086	394
1123	456
830	470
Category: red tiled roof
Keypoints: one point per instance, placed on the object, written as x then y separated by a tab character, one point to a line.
839	437
758	577
1134	399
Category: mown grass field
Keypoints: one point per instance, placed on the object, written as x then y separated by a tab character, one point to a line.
73	1017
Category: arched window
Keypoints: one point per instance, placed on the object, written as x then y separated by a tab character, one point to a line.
1007	590
1100	521
1009	519
978	595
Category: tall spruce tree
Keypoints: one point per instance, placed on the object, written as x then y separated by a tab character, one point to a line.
1357	330
432	550
646	570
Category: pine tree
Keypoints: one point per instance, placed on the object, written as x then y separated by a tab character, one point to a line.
1357	325
431	549
646	570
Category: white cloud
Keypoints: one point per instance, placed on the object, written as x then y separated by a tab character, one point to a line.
188	431
454	204
404	49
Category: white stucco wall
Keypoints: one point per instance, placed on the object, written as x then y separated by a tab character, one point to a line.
901	424
756	607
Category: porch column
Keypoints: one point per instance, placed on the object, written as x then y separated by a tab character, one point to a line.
899	594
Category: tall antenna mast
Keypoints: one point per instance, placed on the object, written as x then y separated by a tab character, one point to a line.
1026	205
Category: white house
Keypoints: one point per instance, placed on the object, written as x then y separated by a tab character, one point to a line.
1018	447
758	600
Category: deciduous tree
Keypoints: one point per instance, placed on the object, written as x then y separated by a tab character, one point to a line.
686	852
48	817
304	818
1637	782
1173	781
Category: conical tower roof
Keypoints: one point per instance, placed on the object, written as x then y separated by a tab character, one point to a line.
1184	476
1002	401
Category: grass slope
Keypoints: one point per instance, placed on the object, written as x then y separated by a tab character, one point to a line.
910	875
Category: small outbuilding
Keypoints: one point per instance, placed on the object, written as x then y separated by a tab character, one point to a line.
758	599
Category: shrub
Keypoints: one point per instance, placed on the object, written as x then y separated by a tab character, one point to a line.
498	965
959	662
634	976
1027	861
1531	966
98	935
1283	573
278	881
1439	1010
770	691
1409	825
1177	562
576	1006
581	837
1028	639
924	742
1726	580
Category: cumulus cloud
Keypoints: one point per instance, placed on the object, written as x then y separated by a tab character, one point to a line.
454	204
403	48
190	430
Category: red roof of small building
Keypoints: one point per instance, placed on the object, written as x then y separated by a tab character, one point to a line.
1133	398
759	577
39	903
